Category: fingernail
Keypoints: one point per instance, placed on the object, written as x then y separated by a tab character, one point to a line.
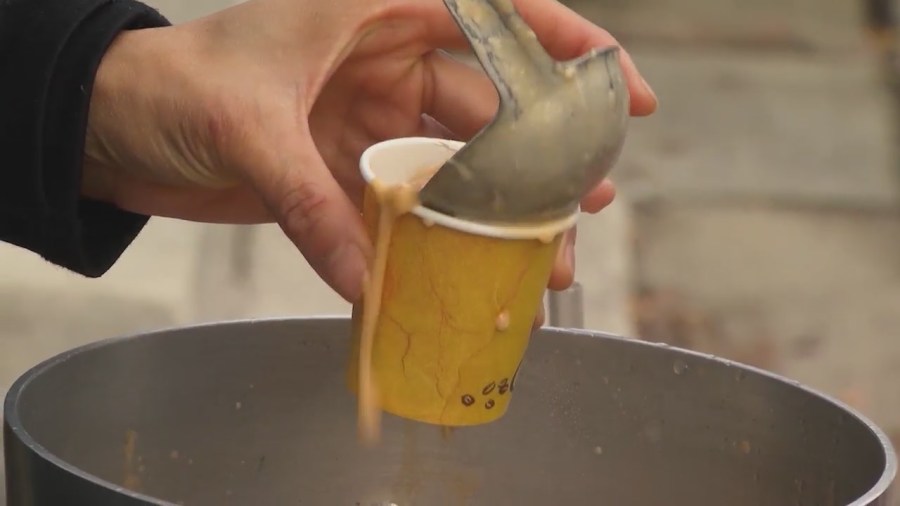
347	267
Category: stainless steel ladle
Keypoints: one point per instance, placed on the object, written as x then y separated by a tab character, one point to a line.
559	129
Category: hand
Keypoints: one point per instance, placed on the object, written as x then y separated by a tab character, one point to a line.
260	112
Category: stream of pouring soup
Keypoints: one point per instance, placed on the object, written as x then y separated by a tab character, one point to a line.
393	201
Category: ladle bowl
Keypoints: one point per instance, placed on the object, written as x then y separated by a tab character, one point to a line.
258	413
559	129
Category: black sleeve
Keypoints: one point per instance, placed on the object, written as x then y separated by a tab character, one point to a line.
880	14
49	54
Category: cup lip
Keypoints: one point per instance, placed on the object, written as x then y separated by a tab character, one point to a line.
542	230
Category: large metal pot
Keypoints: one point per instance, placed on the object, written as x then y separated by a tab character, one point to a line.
257	413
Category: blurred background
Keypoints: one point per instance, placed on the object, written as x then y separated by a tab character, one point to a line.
757	216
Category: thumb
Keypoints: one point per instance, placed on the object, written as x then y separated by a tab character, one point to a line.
315	213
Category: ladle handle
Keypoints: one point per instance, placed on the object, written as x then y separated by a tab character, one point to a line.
506	47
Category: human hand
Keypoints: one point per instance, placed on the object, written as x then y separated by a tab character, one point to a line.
260	112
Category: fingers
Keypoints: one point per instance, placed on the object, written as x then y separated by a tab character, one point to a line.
314	212
564	33
563	274
458	96
597	199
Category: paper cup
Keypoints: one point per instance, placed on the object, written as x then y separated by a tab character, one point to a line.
458	301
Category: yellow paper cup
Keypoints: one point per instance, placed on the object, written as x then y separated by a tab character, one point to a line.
458	302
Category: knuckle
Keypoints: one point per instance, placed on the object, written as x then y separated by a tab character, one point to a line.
219	122
302	208
234	129
216	132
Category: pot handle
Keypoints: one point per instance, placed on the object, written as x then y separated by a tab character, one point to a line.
565	308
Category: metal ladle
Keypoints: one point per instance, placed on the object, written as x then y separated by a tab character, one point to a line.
559	129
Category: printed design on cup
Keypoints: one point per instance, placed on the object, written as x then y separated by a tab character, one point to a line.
494	387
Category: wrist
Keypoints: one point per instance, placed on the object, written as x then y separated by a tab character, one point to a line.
142	94
115	78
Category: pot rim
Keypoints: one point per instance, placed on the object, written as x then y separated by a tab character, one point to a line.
878	490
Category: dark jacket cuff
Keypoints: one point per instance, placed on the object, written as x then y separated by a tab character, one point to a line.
53	50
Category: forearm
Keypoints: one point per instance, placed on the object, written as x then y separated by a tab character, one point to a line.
49	54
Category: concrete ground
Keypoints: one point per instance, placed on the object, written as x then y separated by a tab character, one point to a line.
756	219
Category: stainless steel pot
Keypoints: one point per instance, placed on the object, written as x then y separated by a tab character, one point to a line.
257	413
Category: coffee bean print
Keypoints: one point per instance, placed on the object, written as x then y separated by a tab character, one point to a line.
503	386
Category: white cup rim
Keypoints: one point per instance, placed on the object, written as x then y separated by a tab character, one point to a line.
543	231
